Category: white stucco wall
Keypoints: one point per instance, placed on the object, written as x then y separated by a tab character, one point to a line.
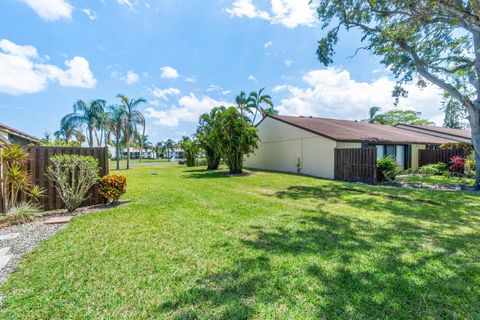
282	145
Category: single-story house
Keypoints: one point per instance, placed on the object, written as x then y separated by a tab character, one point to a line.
9	135
306	144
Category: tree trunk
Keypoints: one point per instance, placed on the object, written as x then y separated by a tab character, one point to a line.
236	163
128	150
213	160
117	151
474	118
90	137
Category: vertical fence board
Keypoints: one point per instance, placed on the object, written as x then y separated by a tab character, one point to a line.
38	163
356	165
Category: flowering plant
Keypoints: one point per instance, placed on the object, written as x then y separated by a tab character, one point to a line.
457	164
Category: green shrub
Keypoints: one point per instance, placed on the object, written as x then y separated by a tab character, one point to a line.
387	169
74	175
111	187
436	169
22	213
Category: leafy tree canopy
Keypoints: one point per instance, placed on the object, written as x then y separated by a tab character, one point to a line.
439	40
395	117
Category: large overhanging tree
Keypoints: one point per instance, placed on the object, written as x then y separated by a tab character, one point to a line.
434	40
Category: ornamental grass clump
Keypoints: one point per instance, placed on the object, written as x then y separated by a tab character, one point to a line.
73	175
111	187
22	213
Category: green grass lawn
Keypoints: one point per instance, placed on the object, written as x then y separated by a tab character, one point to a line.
200	245
437	180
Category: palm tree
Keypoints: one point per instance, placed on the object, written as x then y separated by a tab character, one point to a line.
133	118
242	102
87	114
160	149
373	114
117	115
256	99
66	132
143	143
170	147
103	126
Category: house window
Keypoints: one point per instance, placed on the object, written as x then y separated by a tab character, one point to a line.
380	151
390	150
399	152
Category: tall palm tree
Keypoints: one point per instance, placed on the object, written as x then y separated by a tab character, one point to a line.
87	114
373	114
66	132
103	127
117	115
133	118
255	101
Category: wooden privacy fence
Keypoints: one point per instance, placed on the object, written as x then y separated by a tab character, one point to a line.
440	155
356	165
39	161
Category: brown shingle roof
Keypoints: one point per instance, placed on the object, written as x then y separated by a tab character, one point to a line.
466	134
353	131
17	133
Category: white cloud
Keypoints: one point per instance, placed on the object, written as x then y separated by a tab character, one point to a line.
169	72
251	77
290	13
131	77
288	62
164	93
189	109
126	3
190	79
214	87
21	72
226	92
268	44
92	15
51	9
332	93
246	8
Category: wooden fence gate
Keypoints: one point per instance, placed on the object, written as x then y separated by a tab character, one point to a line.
439	155
37	167
356	165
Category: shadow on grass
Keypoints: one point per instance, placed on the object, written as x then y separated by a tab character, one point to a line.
397	270
226	294
314	263
451	208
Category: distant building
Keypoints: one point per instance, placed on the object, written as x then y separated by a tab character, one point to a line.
9	135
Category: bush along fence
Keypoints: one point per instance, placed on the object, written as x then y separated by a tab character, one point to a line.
37	167
356	165
439	155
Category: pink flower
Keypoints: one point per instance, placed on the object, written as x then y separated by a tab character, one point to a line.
457	164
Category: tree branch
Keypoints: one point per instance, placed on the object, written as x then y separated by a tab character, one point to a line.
422	70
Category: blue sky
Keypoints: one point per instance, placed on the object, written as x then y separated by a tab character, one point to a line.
184	57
